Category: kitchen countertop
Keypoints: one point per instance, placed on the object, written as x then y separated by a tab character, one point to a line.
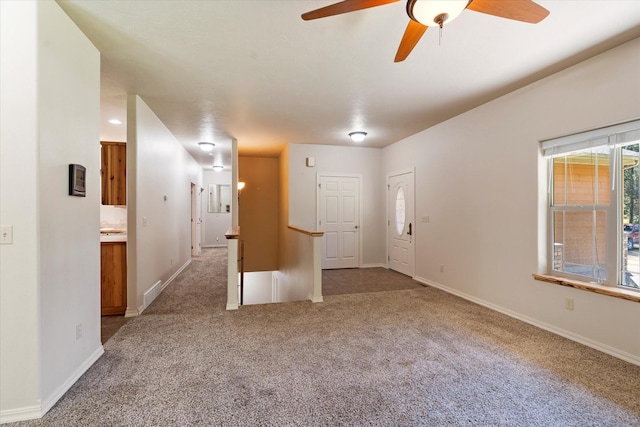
115	237
112	235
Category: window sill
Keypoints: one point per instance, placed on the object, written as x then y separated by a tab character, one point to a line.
591	287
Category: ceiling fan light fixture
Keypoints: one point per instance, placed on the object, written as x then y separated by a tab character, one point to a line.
206	146
357	136
429	12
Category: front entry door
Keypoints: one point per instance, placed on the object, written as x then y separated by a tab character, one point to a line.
339	219
400	224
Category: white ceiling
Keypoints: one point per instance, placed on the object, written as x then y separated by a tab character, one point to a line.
255	71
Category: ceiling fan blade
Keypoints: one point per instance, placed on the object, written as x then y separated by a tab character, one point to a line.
518	10
344	7
411	36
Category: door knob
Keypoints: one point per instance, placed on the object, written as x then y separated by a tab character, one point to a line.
356	227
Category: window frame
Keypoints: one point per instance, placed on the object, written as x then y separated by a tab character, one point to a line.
563	146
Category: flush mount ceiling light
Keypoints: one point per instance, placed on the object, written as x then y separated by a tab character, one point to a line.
429	12
115	122
217	168
357	136
206	146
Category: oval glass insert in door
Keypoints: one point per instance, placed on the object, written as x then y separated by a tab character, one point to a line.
400	211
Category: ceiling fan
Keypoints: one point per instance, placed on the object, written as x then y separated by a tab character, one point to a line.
428	12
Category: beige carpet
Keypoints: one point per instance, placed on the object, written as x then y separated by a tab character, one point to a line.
399	358
364	280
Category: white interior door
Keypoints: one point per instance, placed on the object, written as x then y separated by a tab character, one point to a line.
339	219
400	224
194	220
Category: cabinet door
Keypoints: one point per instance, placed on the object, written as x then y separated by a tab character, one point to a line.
113	272
114	173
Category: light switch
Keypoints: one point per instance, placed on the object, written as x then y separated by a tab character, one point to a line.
6	235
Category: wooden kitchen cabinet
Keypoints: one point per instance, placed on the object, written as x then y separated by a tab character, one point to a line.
113	274
114	173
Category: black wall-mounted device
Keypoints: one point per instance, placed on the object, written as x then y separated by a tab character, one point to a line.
77	180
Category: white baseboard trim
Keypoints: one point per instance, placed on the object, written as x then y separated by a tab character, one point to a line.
20	414
232	306
612	351
151	294
317	299
214	246
35	412
373	265
174	275
132	312
60	391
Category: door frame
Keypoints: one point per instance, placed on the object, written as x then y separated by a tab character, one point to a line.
411	170
195	219
358	176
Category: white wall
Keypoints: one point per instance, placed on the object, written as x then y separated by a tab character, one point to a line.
215	225
332	159
296	275
160	173
481	180
50	276
19	275
69	132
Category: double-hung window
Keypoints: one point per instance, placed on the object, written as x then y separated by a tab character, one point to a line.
594	205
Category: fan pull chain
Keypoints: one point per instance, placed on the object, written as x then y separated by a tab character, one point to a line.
440	21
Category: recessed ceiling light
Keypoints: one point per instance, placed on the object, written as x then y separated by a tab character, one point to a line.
206	146
357	136
115	122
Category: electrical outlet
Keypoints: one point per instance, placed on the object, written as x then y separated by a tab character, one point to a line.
425	219
441	268
6	235
568	303
78	331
